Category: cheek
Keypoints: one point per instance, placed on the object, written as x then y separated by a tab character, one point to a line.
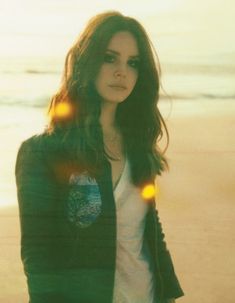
134	77
102	76
99	80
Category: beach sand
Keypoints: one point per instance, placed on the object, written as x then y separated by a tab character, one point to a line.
197	202
196	205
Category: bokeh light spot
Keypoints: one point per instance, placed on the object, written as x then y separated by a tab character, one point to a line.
149	191
63	110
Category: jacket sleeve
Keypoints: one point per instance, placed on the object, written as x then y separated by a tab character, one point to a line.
45	239
36	195
36	191
171	285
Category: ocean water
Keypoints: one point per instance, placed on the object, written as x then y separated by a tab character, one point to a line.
32	81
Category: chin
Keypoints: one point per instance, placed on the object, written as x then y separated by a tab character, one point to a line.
115	101
119	101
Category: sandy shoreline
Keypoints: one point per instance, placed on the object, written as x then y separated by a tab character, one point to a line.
196	207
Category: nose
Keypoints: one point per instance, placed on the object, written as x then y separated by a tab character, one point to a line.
120	71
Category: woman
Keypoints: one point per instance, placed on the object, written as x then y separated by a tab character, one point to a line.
89	232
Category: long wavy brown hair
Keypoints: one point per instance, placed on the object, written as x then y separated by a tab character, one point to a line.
138	117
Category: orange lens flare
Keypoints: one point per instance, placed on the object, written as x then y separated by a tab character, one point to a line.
149	191
62	110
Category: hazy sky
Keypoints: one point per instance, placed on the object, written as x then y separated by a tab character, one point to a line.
48	27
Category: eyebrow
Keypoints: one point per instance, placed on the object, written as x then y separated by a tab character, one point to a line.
117	53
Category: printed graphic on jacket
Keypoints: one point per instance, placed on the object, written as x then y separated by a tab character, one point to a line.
84	201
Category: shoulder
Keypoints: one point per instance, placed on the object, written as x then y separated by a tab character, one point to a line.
40	142
34	151
44	154
40	146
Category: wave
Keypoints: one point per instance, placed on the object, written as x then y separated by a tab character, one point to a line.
168	68
197	96
36	102
34	71
31	71
202	69
43	100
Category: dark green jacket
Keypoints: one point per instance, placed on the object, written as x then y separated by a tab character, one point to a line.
65	263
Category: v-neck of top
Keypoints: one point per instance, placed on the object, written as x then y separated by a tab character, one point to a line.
121	180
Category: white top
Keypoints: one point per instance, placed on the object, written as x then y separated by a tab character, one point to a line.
133	277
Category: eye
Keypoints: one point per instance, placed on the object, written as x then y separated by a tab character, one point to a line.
134	63
109	58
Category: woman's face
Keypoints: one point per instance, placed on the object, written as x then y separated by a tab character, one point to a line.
119	72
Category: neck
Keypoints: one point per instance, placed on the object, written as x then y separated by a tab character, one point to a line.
107	116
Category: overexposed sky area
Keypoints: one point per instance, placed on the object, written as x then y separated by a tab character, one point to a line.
48	27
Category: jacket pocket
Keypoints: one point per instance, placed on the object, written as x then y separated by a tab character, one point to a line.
84	200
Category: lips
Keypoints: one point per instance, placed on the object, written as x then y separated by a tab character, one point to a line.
118	86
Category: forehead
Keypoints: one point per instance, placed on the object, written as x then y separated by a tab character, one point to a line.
124	43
